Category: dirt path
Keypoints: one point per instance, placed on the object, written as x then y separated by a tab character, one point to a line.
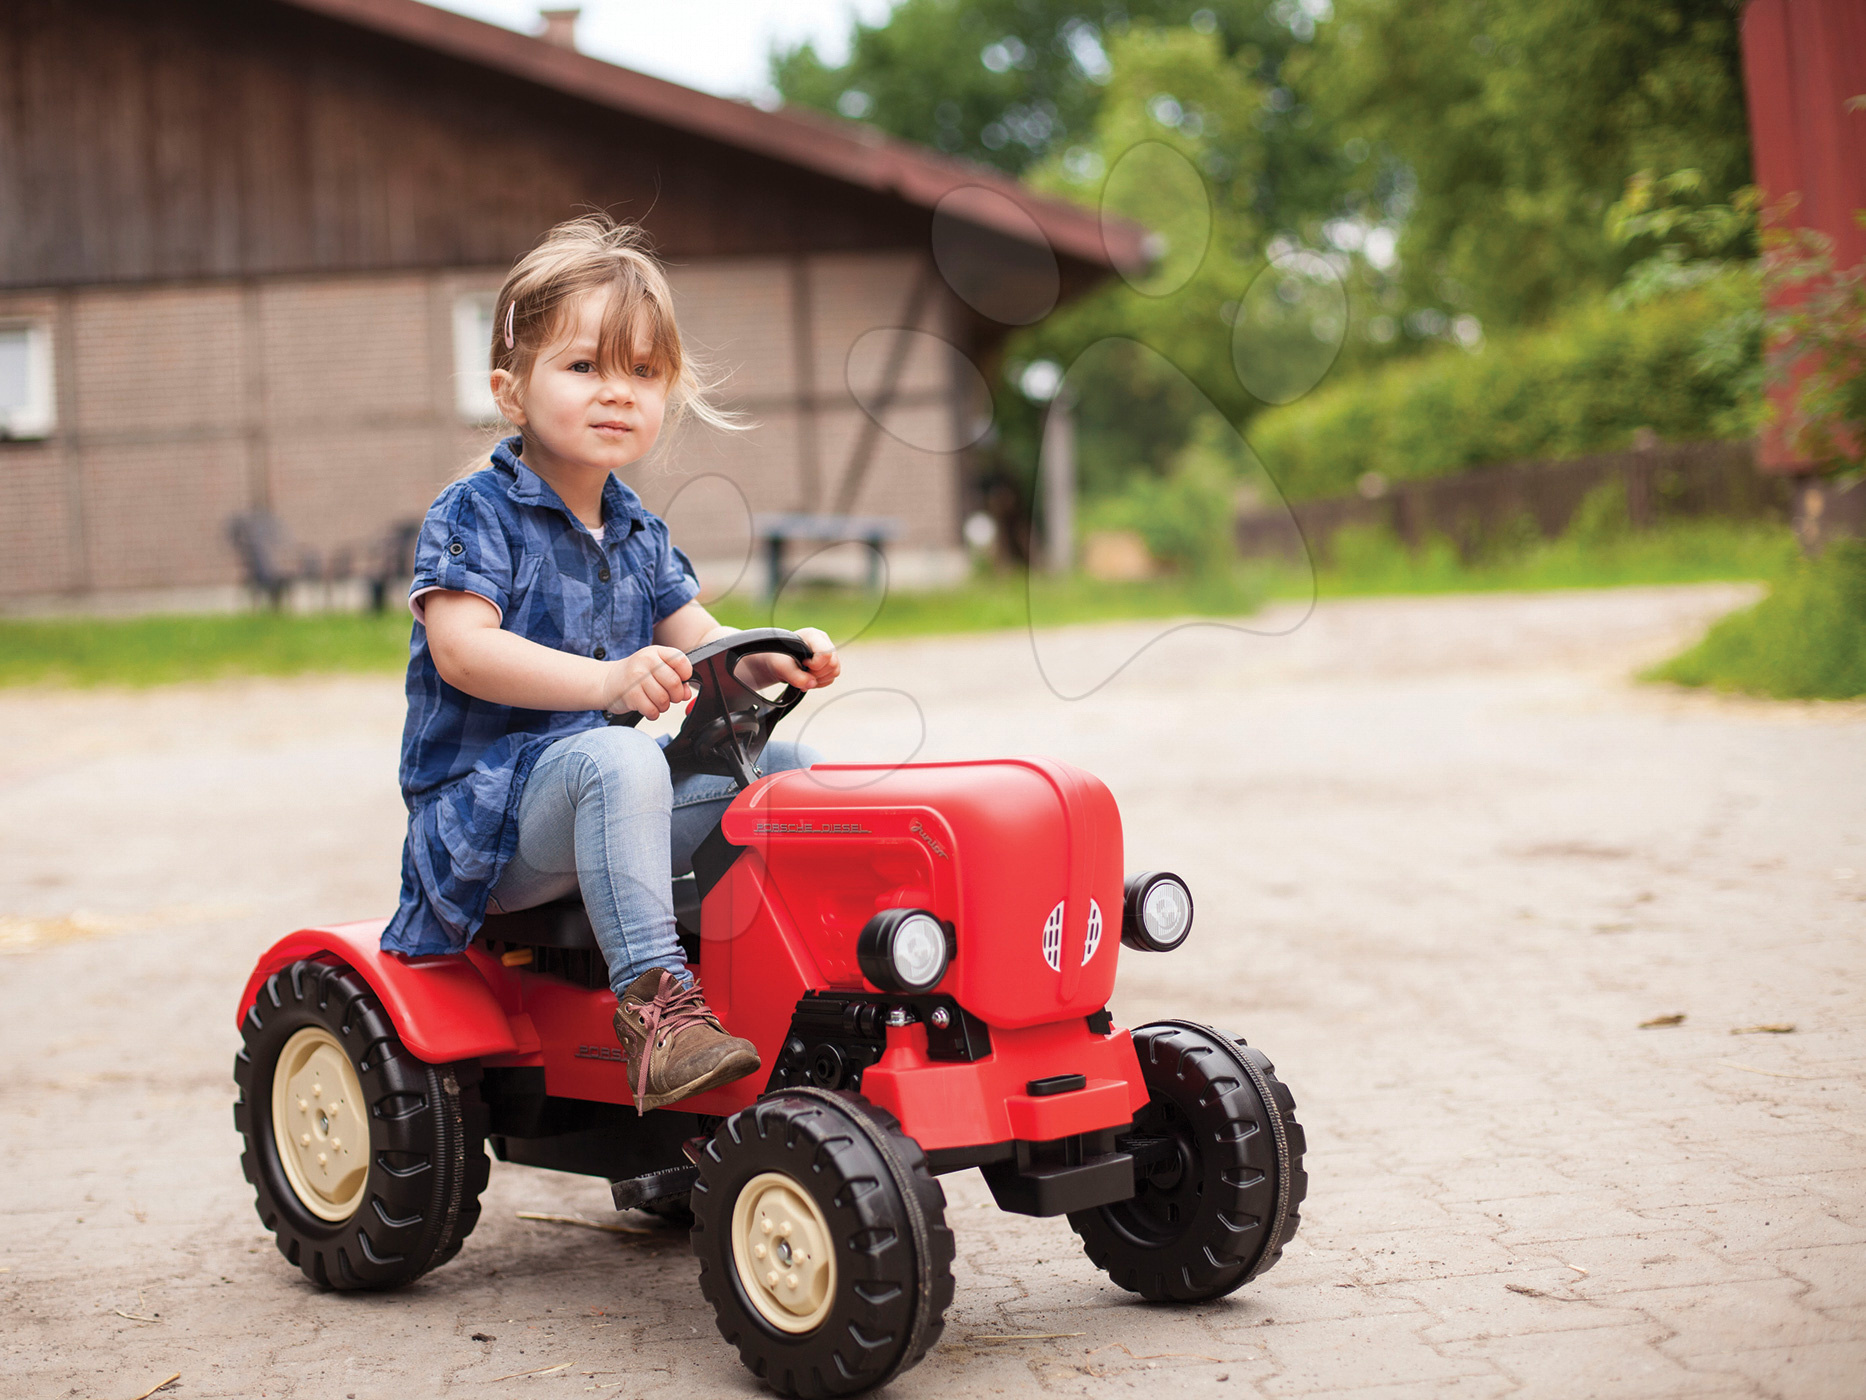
1447	859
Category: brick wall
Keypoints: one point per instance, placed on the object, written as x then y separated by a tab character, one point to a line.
789	335
36	548
330	402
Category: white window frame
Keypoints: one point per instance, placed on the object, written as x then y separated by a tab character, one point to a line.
38	416
472	338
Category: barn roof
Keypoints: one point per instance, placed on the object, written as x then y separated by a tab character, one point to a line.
859	155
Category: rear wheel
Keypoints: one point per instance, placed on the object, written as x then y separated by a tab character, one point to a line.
822	1242
366	1162
1218	1157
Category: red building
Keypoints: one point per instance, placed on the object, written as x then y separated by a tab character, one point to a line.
1804	64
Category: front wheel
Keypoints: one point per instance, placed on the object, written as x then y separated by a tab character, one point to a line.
366	1162
1218	1162
822	1242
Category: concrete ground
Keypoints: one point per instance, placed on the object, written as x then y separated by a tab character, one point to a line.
1448	859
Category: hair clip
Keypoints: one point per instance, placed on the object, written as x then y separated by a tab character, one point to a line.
510	307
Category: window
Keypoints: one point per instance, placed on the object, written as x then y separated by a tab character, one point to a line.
472	343
26	405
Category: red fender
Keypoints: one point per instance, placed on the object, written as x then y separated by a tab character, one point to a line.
441	1006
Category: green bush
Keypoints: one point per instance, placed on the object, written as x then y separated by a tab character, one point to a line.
1584	384
1817	343
1805	641
1186	516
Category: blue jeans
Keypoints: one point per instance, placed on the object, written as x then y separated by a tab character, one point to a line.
602	814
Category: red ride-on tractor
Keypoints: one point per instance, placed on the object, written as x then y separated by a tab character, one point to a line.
923	956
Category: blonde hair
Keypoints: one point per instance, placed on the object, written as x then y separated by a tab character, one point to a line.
593	254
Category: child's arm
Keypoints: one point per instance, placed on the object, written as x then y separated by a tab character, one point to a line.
473	653
692	625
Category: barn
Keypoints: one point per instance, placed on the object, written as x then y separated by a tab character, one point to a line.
248	250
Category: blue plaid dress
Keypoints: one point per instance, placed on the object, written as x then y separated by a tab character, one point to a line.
504	534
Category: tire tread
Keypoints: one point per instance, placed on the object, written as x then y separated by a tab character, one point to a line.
428	1164
890	1212
1254	1182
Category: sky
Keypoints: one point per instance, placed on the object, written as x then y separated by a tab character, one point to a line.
718	46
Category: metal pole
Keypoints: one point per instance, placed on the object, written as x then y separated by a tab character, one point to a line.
1056	473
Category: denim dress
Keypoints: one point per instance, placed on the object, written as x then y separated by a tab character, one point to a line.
505	535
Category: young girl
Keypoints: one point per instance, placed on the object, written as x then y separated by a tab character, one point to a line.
546	595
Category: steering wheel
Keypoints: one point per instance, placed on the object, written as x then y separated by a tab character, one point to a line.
728	723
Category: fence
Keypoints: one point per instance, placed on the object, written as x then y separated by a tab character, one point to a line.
1661	481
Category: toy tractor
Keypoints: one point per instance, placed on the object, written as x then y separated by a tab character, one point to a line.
923	955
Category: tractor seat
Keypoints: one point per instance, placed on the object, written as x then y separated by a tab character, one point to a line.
564	924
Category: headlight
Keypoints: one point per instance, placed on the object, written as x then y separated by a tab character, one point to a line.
1158	913
903	950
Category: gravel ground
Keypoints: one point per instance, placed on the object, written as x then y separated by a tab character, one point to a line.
1448	858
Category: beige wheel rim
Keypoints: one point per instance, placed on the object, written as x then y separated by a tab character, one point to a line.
781	1245
318	1124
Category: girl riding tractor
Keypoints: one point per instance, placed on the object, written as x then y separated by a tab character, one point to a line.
908	967
546	596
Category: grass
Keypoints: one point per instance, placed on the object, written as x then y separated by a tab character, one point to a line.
996	602
1686	551
156	650
1805	641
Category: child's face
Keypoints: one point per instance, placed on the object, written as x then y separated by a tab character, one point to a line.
575	413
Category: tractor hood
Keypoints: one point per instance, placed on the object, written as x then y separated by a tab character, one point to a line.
1021	857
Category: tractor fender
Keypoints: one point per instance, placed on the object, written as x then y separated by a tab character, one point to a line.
442	1008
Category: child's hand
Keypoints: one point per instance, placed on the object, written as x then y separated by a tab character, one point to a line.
773	667
652	681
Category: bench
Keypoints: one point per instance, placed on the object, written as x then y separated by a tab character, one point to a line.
775	533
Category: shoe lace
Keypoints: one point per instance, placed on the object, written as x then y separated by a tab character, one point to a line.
672	1010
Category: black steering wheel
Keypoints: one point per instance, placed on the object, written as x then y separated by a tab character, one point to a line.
729	723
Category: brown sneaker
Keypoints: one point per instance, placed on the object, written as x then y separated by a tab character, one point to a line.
675	1045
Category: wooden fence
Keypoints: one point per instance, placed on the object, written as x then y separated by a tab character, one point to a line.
1663	481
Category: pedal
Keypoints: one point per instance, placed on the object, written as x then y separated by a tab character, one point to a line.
653	1186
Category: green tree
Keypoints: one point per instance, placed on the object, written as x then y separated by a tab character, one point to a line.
1174	145
1013	83
1235	305
1225	157
1517	123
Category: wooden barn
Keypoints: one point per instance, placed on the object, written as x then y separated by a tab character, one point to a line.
248	250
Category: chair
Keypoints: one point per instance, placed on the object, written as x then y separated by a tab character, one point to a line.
272	565
394	560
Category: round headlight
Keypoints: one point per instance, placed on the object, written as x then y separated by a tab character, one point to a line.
919	953
903	950
1158	913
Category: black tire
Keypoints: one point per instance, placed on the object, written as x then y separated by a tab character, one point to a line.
427	1132
886	1217
1207	1223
